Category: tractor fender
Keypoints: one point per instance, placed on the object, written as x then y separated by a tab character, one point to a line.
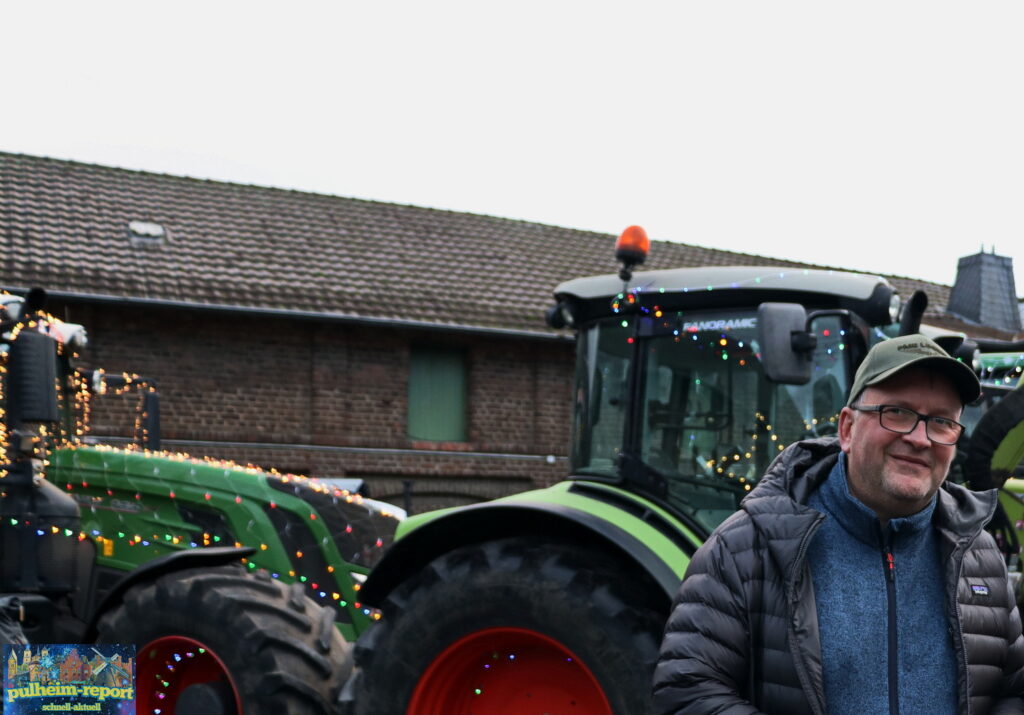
177	561
514	517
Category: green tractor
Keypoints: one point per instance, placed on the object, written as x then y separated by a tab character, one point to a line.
238	586
688	383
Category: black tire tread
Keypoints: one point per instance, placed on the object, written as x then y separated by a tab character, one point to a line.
284	653
609	604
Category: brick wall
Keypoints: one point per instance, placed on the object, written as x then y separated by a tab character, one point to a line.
330	400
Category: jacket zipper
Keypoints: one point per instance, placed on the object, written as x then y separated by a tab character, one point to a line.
958	635
889	565
798	661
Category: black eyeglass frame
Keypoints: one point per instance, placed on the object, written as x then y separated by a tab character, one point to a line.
927	419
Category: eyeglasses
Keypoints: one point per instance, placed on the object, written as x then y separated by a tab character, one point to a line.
940	430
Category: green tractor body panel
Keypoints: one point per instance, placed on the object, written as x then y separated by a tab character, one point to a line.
138	506
1010	452
608	503
576	511
1014	486
1011	496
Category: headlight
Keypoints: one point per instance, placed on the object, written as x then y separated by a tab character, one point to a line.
894	308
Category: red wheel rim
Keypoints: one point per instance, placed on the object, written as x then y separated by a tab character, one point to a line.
170	664
507	671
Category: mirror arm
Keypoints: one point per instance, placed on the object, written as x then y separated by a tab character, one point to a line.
803	341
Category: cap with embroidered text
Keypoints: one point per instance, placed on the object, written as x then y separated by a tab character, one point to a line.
889	357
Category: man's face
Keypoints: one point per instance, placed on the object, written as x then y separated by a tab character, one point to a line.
897	474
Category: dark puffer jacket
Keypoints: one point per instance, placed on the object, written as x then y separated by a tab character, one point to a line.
752	577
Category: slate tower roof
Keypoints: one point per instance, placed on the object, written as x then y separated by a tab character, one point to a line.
984	292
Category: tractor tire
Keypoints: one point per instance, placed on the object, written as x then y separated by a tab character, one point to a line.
514	626
997	427
222	641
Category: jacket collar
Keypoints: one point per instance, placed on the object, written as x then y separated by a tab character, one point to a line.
778	504
797	472
961	513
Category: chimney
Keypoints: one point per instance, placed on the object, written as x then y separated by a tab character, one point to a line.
984	292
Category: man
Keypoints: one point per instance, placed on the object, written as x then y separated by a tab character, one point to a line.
848	581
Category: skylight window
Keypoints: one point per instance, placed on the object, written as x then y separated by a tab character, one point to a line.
146	233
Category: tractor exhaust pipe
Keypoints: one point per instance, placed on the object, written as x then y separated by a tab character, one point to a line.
913	311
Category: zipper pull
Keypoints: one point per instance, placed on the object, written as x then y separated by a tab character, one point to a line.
890	563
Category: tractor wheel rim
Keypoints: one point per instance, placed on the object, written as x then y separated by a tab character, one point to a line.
505	671
169	665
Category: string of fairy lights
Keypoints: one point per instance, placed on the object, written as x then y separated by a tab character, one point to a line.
732	465
107	540
1006	370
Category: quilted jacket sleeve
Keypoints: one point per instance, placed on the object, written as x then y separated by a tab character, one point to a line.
1013	673
704	659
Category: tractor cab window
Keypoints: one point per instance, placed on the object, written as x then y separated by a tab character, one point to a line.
704	417
601	397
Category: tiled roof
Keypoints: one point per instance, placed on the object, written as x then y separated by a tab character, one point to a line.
64	226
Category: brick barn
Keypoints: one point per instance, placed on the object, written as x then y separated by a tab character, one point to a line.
322	335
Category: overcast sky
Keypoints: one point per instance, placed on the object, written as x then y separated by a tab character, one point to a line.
878	136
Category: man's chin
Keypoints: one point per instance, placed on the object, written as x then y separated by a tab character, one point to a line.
910	488
906	504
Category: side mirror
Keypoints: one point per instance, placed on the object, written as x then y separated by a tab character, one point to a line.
31	378
35	300
786	346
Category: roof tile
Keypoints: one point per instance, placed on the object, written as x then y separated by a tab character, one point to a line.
65	226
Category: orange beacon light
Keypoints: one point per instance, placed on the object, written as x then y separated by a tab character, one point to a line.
631	249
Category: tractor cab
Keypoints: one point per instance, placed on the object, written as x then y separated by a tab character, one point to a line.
690	381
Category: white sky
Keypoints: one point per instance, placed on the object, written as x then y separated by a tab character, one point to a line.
878	136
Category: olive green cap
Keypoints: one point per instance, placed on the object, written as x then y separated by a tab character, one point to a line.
891	356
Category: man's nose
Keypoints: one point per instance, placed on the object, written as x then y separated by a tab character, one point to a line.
919	435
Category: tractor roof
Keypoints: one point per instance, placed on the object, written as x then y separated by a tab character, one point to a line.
767	278
734	287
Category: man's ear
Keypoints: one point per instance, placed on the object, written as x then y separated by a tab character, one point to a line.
845	429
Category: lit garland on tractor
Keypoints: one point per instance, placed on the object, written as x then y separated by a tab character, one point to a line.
98	485
213	495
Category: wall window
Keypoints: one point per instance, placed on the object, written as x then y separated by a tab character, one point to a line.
437	394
